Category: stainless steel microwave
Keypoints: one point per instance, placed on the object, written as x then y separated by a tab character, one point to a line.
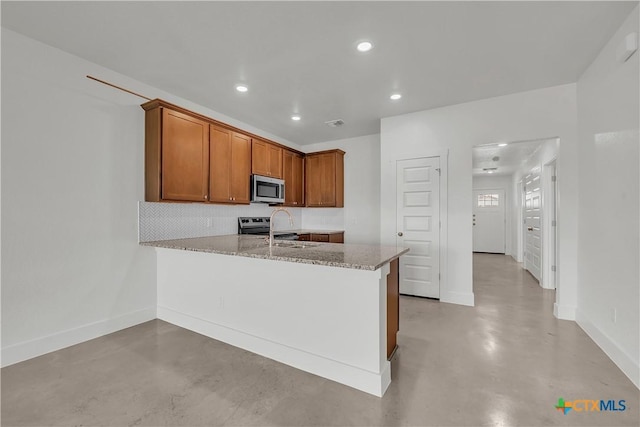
267	190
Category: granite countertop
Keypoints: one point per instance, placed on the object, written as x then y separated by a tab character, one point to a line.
361	257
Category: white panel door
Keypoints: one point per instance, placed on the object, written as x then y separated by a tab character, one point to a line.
418	226
532	223
489	221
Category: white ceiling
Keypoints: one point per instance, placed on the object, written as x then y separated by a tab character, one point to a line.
509	157
300	57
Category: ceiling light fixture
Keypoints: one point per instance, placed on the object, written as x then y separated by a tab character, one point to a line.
364	46
503	144
395	97
242	88
334	123
295	118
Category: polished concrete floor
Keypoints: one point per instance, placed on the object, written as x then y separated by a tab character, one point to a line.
504	362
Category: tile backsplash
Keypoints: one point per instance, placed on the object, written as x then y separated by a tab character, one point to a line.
165	221
323	218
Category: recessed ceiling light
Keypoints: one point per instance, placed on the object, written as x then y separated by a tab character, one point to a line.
395	97
295	117
364	46
503	144
242	88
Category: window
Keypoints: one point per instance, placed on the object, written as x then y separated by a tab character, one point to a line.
488	200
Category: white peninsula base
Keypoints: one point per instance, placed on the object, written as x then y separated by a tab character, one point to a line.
329	321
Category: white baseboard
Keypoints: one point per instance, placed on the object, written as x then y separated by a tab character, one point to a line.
461	298
627	365
37	347
360	379
564	312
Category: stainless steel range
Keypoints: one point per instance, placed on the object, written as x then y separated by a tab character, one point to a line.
260	226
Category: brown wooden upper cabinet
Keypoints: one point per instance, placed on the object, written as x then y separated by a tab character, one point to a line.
266	159
230	166
177	156
293	175
193	158
324	179
190	159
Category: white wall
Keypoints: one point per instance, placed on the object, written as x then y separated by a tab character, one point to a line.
608	255
504	182
546	153
72	175
537	114
359	217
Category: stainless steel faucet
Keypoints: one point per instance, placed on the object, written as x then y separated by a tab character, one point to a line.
275	211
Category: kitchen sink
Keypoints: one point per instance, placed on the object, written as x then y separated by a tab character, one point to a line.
294	244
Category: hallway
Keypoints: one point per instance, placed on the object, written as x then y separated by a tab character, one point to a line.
504	362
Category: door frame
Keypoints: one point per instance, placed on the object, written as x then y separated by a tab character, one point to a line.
539	170
518	209
443	154
549	231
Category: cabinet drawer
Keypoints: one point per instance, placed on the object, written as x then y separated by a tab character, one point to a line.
304	237
336	238
320	237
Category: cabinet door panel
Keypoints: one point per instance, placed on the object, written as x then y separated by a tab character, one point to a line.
219	181
298	173
287	174
259	158
241	167
328	173
324	175
292	172
313	181
275	161
185	157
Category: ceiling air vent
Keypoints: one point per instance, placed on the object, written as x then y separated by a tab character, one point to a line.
489	169
334	123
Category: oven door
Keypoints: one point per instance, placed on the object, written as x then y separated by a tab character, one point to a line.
267	190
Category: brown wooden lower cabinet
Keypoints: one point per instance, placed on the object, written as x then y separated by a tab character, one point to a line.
322	237
393	308
335	237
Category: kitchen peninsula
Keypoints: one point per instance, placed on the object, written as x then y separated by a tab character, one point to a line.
326	308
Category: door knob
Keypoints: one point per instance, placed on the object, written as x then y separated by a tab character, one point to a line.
529	228
400	233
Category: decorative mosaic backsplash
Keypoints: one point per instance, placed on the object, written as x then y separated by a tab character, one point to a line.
165	221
